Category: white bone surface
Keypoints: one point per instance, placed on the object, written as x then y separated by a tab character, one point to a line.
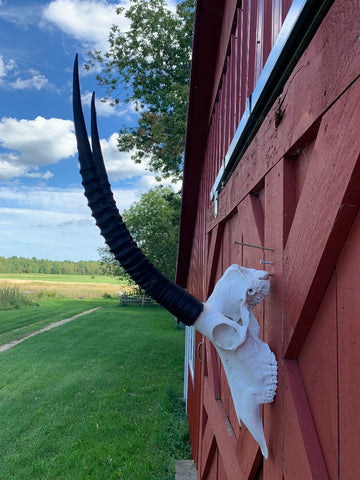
229	323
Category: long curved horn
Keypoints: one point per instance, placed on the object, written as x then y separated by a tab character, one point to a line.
102	204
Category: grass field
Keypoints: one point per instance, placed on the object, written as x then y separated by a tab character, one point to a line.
47	277
75	286
98	398
18	323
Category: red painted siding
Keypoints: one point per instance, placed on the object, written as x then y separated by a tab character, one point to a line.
248	47
297	190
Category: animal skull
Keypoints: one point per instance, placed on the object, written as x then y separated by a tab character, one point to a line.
229	323
226	319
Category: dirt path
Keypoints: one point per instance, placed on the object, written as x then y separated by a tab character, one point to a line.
7	346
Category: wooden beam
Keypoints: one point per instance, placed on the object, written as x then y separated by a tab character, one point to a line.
227	442
301	445
320	228
208	451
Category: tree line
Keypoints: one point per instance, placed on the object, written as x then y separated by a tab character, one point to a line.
33	265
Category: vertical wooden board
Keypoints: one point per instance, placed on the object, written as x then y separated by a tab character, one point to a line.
193	416
219	267
252	31
213	374
212	259
225	393
222	106
259	45
225	254
194	403
232	232
227	400
276	20
318	365
267	31
295	463
231	91
201	419
301	166
348	274
244	54
251	220
278	186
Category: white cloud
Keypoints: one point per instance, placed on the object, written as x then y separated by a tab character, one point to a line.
10	168
37	82
40	141
56	200
119	165
5	67
9	71
33	144
89	21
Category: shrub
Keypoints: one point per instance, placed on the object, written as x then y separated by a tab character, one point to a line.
13	298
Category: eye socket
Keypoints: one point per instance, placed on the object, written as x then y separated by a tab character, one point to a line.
251	291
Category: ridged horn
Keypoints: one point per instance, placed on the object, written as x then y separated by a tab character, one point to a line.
103	207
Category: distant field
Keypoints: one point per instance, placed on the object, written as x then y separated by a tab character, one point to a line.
60	278
72	286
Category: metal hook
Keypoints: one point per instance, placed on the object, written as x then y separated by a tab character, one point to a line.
198	351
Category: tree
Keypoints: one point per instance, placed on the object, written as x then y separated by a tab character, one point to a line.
153	222
152	62
109	266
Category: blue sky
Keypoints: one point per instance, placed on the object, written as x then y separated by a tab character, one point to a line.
43	212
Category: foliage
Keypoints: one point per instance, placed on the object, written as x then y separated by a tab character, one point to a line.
151	61
153	222
13	298
33	265
81	402
109	266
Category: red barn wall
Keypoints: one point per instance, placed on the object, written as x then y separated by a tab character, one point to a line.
297	191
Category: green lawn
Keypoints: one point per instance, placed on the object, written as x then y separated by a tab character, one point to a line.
98	398
16	324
